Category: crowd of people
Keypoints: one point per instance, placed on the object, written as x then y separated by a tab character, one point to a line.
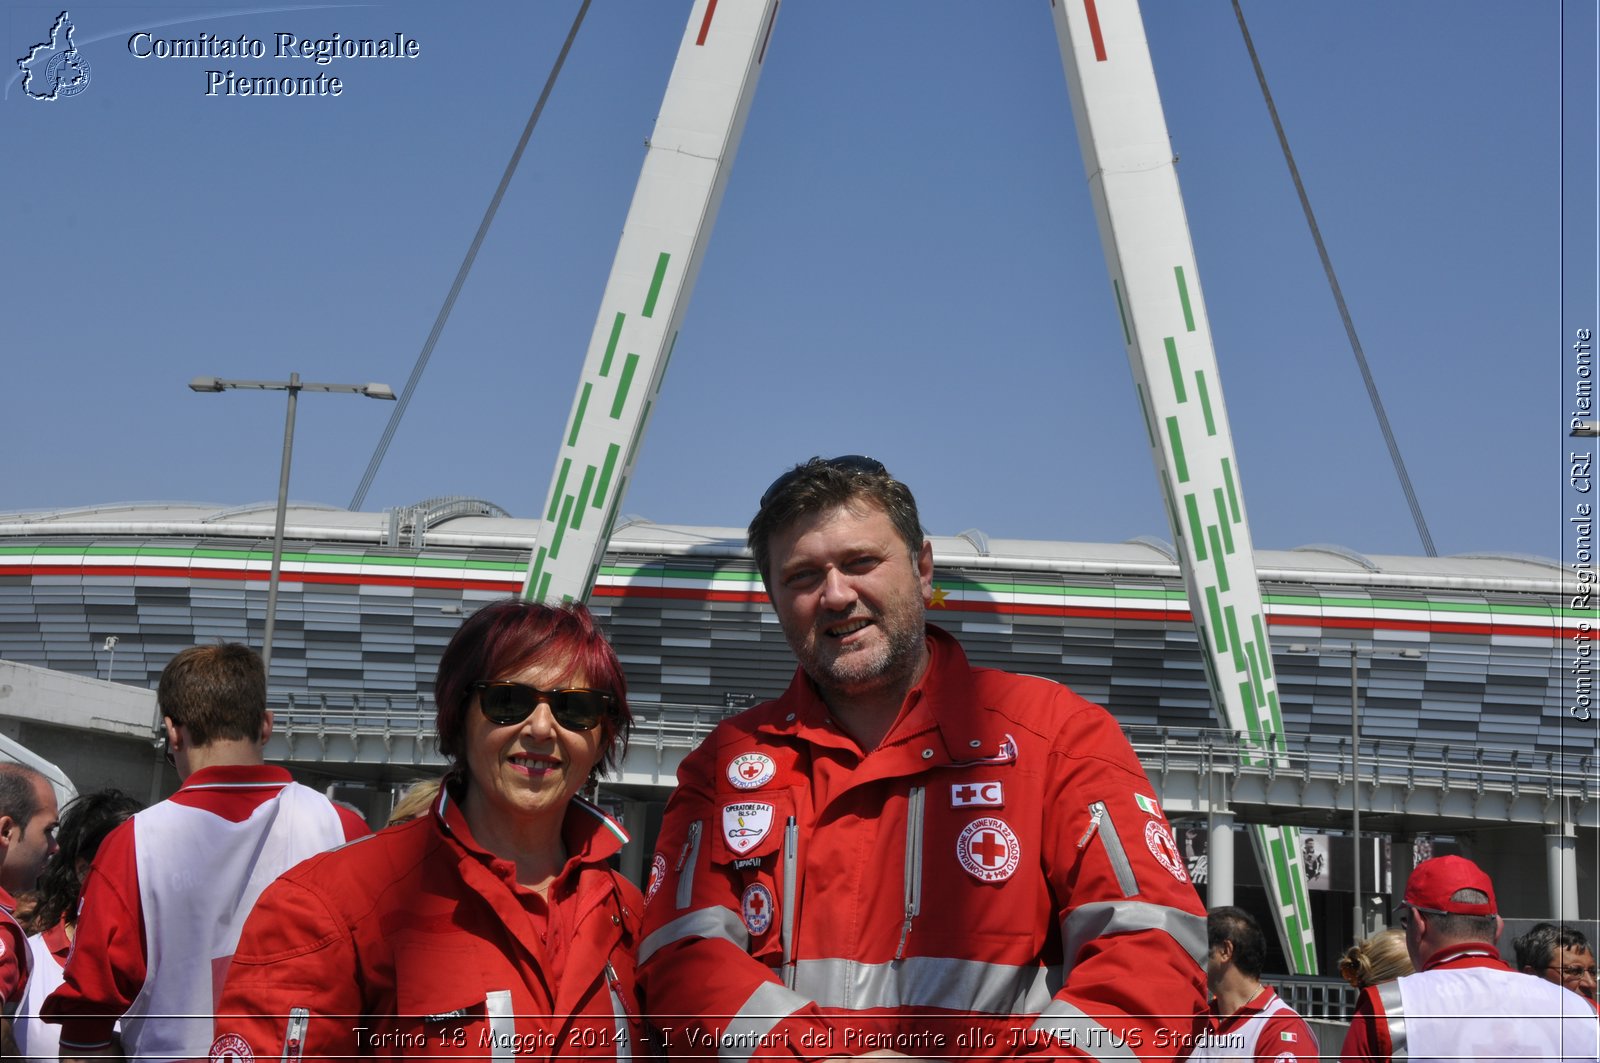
904	855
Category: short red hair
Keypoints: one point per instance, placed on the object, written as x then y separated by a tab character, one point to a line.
508	636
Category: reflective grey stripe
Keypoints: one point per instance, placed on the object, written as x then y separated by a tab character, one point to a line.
1394	1011
294	1034
686	863
1072	1027
619	1011
769	1005
791	865
1114	851
1092	921
929	982
502	1023
706	923
914	804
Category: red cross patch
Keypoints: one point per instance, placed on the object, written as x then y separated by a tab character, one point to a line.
977	795
758	908
751	771
988	850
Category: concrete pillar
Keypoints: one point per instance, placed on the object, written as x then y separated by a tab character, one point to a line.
1219	859
1561	864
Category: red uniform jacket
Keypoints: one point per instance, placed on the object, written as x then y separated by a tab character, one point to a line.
415	942
995	879
13	952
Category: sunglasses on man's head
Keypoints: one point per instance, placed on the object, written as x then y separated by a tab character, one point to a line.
575	708
844	463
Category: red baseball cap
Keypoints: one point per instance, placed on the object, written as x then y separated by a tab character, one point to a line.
1432	883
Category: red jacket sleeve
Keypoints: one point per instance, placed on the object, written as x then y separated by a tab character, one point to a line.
13	947
293	953
1368	1037
1133	930
106	968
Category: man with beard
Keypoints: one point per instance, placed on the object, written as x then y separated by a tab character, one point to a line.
905	853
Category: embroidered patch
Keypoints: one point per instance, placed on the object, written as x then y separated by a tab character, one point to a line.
745	823
1148	805
1286	1057
751	771
977	795
749	861
231	1048
658	875
1158	836
758	908
988	850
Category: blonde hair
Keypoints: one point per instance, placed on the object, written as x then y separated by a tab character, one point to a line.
415	802
1380	958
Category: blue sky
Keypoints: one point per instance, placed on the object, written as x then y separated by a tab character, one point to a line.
905	263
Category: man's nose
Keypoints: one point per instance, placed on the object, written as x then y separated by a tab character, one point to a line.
838	591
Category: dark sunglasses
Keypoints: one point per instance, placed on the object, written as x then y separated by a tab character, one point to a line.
576	708
844	463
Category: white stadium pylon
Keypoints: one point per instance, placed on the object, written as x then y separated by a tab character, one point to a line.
1145	236
663	242
1134	183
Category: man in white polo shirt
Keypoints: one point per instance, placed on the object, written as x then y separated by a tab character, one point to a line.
1252	1023
1464	1002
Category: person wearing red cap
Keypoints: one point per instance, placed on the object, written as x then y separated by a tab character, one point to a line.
1464	1002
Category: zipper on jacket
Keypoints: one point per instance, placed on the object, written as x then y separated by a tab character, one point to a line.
686	861
624	1016
294	1034
791	850
1100	822
914	805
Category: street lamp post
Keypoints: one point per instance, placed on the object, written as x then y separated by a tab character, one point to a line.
1358	910
293	386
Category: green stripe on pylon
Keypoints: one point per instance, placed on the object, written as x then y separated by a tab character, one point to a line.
655	284
1183	297
1179	465
1222	565
629	364
1122	312
1175	369
1214	605
544	587
606	470
1205	401
561	527
577	418
533	578
583	496
1222	520
1197	532
611	345
1255	677
1235	644
1277	713
1249	699
1261	640
1233	495
561	485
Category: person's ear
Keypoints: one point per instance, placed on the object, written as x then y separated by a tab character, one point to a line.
266	727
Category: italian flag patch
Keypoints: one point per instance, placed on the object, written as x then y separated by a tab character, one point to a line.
1148	804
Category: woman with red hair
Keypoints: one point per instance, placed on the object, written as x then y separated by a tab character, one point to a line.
493	926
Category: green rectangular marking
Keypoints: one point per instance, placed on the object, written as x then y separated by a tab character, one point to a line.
1222	521
1180	466
1252	718
1261	640
577	418
1122	312
1175	369
561	485
1235	643
1197	533
544	587
629	364
1214	605
1222	565
633	448
1183	297
611	344
1233	495
533	578
1205	401
583	496
1144	412
655	284
1255	674
561	528
606	470
1277	714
